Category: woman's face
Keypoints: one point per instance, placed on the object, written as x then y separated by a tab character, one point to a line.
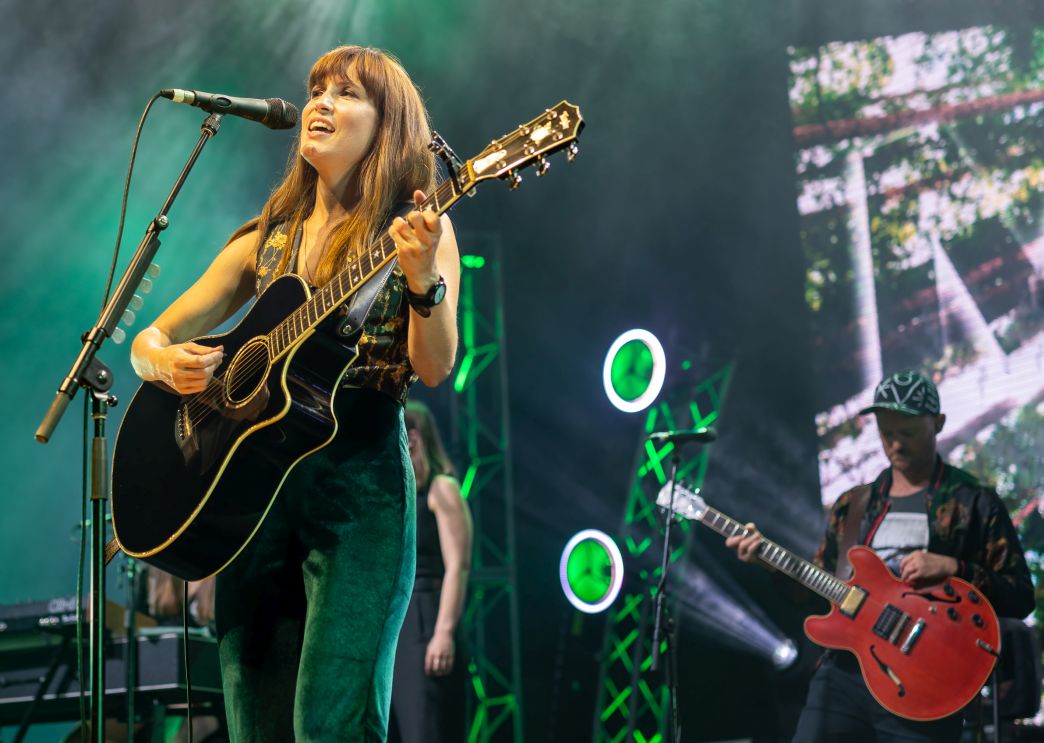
338	126
418	452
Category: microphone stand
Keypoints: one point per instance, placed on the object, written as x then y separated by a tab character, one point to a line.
130	656
673	732
90	373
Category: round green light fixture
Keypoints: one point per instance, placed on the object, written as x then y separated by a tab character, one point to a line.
591	571
634	370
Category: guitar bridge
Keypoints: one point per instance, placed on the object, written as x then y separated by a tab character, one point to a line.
185	434
890	622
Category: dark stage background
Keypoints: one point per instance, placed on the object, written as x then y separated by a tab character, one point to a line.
679	216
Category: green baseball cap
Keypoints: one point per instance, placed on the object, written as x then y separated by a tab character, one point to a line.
906	392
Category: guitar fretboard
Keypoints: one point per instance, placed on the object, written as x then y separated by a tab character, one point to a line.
284	335
812	577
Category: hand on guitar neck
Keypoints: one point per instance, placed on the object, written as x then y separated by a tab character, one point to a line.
747	544
918	569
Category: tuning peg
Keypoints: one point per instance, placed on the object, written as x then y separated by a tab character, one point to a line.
145	286
128	318
572	151
542	166
514	180
136	303
153	270
118	336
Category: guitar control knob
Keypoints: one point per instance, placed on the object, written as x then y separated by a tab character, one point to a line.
952	613
977	620
973	597
948	589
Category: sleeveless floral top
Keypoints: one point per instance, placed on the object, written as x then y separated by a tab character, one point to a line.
383	363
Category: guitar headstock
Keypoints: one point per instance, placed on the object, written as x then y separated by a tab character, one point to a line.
556	129
687	503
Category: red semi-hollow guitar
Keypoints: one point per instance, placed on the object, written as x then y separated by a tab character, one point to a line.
923	652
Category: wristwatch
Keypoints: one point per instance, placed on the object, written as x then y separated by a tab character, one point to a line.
423	303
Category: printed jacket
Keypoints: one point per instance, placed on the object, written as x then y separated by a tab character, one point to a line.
965	520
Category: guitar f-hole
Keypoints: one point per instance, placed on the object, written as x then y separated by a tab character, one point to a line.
887	671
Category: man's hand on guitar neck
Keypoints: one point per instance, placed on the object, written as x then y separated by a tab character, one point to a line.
746	546
923	568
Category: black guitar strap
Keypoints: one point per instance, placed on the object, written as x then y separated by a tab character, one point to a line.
852	527
360	303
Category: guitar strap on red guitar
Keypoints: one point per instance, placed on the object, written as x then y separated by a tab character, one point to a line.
853	524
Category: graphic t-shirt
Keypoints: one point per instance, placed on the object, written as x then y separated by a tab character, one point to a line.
903	530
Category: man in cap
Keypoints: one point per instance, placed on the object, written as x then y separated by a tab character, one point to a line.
928	521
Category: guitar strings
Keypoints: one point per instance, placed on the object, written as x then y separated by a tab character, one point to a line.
204	403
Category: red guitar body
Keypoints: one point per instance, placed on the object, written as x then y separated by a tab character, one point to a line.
924	653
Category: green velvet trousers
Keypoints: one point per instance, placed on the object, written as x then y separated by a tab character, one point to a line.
308	615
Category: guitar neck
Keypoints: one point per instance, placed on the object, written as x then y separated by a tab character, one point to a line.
811	576
359	270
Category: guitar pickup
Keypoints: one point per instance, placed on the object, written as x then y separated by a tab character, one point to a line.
911	639
887	621
853	599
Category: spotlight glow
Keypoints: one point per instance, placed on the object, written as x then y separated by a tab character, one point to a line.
634	370
591	571
784	655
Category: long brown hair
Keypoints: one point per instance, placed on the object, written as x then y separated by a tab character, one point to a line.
419	417
398	163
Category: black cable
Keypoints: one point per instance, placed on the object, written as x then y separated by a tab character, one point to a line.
123	205
188	667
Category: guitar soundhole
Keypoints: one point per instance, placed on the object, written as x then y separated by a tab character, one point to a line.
247	374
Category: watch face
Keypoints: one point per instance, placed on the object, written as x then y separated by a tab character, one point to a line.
438	292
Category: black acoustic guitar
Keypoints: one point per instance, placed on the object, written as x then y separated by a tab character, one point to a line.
194	476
